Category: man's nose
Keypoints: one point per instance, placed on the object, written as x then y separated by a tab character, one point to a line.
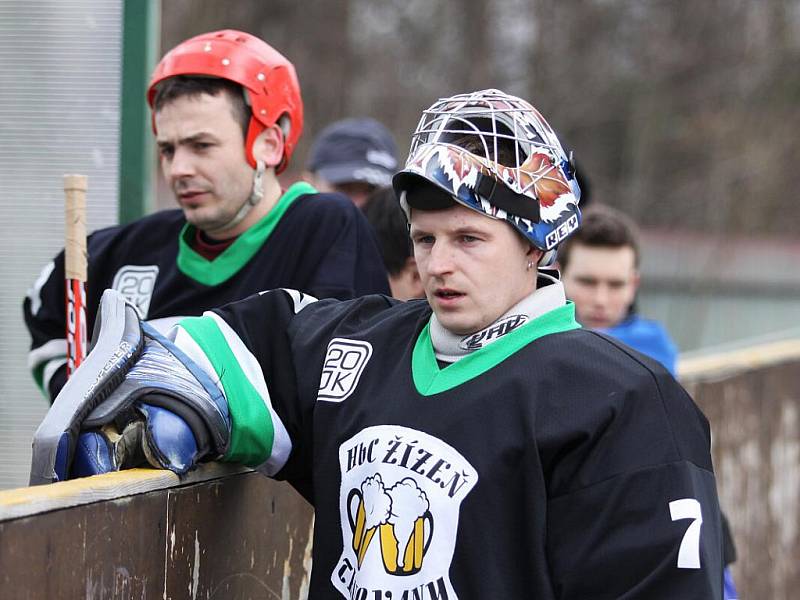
441	258
600	295
180	166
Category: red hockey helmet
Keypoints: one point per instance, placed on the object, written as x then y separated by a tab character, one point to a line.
267	78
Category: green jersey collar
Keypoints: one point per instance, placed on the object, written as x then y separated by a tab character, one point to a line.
429	379
234	257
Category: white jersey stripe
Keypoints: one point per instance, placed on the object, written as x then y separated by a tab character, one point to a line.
50	369
35	292
299	299
48	351
282	444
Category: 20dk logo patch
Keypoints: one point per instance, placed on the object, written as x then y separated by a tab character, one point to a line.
344	362
136	283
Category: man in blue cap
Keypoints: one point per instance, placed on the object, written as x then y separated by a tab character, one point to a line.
353	157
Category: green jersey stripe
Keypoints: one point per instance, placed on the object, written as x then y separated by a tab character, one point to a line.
282	443
252	432
236	256
190	347
429	379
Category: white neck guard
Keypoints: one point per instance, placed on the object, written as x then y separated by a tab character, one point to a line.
256	194
450	347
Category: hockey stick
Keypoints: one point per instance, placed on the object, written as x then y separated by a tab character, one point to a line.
75	268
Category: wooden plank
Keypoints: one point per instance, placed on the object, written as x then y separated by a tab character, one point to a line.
755	424
221	533
104	550
725	364
28	501
242	537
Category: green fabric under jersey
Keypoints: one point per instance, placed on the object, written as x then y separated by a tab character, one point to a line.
236	256
252	430
429	379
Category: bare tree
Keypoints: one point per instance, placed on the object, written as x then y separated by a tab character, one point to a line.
681	113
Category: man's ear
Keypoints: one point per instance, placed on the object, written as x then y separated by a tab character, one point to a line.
268	146
534	254
635	280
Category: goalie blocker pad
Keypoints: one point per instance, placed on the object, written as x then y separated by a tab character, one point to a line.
156	373
117	342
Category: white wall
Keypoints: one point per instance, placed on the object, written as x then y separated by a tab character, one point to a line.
59	113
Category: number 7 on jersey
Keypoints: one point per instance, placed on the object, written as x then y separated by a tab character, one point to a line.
689	552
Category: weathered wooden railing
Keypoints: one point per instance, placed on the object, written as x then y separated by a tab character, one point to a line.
752	400
140	534
225	533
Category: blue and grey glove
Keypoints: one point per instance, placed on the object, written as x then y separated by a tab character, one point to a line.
136	399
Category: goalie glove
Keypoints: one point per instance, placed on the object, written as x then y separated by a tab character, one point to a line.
155	436
135	397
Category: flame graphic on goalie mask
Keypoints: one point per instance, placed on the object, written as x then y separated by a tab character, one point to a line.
537	173
495	128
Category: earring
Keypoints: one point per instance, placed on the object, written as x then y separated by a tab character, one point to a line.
530	265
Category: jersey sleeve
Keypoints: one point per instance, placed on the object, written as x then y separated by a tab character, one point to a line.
45	318
633	509
351	263
649	534
247	350
244	348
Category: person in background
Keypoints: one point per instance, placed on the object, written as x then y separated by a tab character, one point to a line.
353	157
600	269
387	219
227	114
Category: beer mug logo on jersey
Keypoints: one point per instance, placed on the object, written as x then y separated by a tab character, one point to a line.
344	362
136	283
400	498
498	329
405	533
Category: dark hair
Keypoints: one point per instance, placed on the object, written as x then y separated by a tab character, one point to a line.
389	223
602	227
186	85
506	148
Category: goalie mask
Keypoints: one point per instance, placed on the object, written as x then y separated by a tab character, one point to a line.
495	154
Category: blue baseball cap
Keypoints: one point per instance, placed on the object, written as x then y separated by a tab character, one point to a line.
357	149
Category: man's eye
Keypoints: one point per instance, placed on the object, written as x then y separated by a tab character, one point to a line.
166	151
201	146
468	239
424	239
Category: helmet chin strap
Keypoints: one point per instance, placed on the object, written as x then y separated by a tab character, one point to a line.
255	197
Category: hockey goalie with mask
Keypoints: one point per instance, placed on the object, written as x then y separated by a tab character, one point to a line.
477	444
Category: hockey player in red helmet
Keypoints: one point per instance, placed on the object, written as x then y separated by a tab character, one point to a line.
259	90
477	444
226	114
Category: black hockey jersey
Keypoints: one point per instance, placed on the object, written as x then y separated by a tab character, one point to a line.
318	243
552	463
